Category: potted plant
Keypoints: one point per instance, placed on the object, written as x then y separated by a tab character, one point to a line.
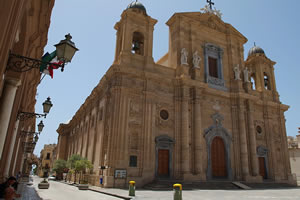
59	167
71	164
81	166
43	184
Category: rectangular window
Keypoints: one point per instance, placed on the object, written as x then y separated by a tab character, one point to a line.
213	67
48	156
133	161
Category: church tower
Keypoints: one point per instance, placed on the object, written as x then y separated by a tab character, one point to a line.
134	35
261	70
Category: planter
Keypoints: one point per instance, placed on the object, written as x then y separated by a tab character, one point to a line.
83	186
43	185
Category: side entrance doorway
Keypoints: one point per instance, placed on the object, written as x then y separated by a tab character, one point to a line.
163	157
262	167
163	163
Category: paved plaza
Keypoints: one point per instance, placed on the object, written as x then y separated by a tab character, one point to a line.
63	191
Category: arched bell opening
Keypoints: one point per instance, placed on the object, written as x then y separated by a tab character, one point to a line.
253	81
138	43
267	81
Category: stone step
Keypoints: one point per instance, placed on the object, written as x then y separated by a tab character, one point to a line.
269	185
168	185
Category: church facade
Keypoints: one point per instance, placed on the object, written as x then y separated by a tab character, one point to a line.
201	113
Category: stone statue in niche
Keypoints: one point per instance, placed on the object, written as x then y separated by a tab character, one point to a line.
196	60
237	72
184	56
246	75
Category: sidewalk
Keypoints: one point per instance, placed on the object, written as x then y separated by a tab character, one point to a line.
120	193
27	191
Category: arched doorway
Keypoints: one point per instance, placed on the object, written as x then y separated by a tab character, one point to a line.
218	158
218	142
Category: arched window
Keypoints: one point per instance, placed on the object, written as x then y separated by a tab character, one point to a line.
267	82
138	43
253	81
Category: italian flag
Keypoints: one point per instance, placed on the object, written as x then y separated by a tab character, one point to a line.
51	58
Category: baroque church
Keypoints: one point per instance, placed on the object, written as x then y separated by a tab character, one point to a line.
200	113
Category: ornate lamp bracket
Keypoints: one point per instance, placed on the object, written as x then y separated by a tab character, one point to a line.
20	63
22	116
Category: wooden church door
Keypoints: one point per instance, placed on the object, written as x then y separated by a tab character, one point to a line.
163	162
218	158
262	167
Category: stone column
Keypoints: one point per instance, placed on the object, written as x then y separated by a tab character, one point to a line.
17	156
254	159
6	105
198	135
11	149
185	137
243	141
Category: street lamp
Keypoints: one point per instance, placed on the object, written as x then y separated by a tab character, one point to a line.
40	129
40	126
65	50
27	115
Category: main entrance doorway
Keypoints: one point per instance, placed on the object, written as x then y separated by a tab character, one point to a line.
163	163
262	167
218	158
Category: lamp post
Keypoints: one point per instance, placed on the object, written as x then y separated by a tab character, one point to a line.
65	51
27	115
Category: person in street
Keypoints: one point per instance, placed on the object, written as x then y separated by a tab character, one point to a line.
18	176
8	189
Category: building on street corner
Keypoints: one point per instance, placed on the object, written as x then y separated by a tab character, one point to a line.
201	113
47	159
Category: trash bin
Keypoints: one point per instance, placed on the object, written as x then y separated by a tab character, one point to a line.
132	188
177	188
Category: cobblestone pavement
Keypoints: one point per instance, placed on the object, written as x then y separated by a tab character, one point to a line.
28	191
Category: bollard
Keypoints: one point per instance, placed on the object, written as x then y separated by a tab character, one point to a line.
177	191
132	188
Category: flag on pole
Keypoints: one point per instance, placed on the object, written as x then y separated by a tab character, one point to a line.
47	68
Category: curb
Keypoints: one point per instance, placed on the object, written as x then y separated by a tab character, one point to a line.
94	190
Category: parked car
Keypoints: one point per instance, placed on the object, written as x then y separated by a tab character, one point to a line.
53	178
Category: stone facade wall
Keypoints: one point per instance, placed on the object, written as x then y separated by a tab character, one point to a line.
24	32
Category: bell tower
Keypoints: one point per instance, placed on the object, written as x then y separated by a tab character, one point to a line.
134	35
261	75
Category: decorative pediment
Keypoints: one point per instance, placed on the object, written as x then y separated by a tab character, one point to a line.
164	139
209	20
217	128
262	151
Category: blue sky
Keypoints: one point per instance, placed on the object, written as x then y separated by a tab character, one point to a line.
272	24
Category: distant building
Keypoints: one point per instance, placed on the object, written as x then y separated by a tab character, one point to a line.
200	113
294	152
47	159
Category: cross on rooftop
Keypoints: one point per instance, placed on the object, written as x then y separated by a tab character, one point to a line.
210	3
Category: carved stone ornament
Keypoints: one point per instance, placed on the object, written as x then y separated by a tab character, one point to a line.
216	81
237	72
217	106
262	151
196	60
246	75
184	57
214	11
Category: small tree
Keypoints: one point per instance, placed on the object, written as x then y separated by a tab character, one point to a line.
82	165
59	167
71	163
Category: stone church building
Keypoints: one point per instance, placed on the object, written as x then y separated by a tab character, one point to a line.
200	113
